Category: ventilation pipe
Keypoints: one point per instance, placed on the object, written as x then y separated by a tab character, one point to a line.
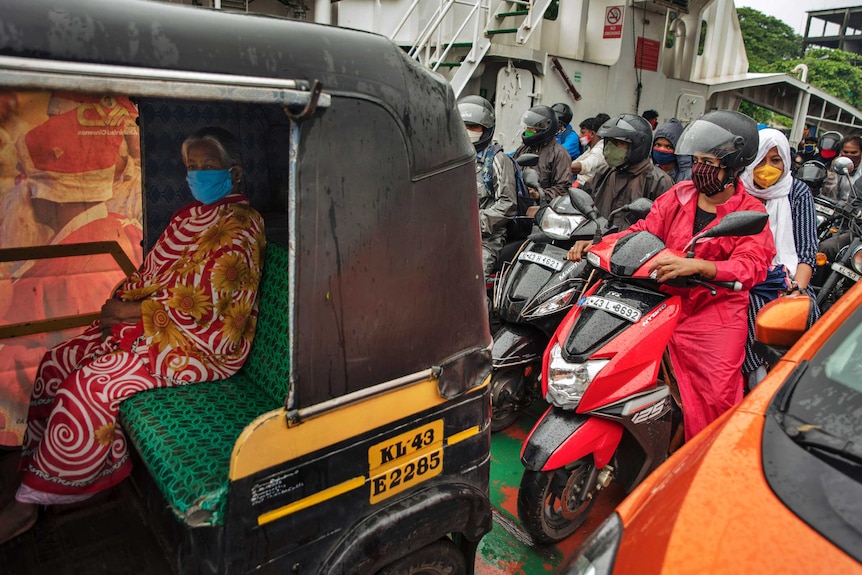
803	68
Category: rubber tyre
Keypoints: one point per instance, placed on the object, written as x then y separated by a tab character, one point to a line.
539	501
505	412
439	558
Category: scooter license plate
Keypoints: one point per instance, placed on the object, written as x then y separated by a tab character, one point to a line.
542	260
846	272
824	209
623	310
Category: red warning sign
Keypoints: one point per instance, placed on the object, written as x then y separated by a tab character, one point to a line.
613	22
646	54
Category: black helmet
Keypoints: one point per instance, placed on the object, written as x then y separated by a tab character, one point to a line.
542	121
564	114
830	141
479	111
633	129
728	135
812	173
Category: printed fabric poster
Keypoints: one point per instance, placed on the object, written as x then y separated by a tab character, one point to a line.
70	173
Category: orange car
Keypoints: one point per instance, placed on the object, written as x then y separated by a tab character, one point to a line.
774	485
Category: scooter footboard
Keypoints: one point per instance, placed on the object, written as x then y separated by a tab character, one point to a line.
561	437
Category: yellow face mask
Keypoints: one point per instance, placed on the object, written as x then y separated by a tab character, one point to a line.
766	175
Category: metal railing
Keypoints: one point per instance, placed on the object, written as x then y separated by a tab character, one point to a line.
111	248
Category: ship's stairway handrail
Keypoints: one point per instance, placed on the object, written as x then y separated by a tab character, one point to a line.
508	17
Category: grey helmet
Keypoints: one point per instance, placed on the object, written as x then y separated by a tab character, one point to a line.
633	129
478	111
728	135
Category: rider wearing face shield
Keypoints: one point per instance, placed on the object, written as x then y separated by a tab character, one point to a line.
629	173
840	182
539	129
708	345
495	178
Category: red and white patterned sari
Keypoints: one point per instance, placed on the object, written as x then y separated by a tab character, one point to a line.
198	294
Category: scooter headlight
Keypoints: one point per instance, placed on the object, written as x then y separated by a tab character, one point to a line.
559	226
556	303
567	381
856	261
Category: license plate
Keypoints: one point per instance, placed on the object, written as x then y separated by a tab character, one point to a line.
542	260
623	310
824	209
846	272
405	460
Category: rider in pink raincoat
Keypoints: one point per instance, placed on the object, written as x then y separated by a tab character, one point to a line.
708	345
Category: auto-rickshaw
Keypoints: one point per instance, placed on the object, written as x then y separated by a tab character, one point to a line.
355	438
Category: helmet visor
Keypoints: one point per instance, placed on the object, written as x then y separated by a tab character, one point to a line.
535	122
475	114
701	137
621	129
829	142
811	172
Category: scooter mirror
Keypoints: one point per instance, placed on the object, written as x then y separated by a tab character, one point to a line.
531	178
583	202
745	223
640	207
842	165
527	160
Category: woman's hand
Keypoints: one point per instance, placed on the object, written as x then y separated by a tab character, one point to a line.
578	251
671	267
116	311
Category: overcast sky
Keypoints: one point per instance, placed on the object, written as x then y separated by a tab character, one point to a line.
793	12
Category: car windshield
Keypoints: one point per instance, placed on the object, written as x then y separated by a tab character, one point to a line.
828	397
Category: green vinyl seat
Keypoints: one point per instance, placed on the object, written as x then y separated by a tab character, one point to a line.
185	435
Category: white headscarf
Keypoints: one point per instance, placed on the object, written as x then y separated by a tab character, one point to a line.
776	198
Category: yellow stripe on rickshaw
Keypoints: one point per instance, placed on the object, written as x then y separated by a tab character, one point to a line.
311	500
462	435
346	486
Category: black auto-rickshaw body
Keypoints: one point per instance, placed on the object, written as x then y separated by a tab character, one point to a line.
357	432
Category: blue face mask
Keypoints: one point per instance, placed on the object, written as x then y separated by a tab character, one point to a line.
661	158
209	186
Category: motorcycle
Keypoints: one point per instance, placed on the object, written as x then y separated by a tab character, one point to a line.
535	291
608	379
838	217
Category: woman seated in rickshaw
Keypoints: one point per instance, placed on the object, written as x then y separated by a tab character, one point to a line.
186	316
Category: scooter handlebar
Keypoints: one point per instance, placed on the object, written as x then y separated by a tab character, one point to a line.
712	284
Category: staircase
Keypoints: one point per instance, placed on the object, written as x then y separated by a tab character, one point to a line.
518	18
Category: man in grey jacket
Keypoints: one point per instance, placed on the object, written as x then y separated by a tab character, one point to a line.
495	178
630	173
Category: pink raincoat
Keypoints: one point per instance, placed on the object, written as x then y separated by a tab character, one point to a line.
708	345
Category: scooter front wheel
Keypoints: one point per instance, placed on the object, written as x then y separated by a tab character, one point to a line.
549	502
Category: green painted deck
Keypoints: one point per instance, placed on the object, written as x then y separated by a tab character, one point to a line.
508	549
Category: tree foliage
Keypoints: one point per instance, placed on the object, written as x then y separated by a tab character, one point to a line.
767	40
773	46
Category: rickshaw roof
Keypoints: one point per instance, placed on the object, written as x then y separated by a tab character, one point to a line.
157	35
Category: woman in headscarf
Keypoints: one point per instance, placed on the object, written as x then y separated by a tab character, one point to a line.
793	223
678	167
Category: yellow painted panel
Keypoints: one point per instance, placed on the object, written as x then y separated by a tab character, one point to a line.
267	441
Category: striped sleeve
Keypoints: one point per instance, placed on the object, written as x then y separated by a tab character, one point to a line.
804	222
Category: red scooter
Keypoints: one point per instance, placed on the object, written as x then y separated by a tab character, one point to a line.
608	379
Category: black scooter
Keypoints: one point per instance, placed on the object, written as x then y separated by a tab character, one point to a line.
534	293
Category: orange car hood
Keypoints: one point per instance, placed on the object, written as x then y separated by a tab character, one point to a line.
710	510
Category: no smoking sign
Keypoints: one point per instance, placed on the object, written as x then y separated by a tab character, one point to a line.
613	22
